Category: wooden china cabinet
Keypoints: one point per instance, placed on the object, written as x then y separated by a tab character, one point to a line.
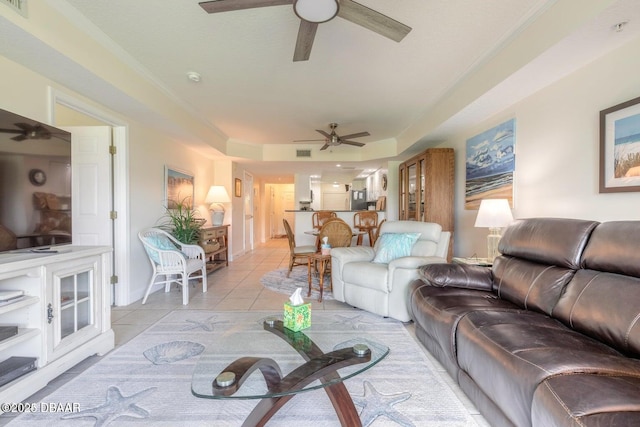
427	184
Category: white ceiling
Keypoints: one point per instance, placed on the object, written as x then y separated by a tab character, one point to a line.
401	93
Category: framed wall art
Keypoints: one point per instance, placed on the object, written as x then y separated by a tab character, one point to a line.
238	188
620	147
490	165
179	188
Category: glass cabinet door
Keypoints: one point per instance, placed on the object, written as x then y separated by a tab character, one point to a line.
73	306
76	309
402	172
412	174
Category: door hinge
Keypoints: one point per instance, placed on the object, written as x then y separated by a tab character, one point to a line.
113	215
114	279
112	150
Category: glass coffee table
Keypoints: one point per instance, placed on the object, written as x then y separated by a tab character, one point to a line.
272	363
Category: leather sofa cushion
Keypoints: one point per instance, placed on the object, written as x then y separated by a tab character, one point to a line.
604	306
587	400
552	241
529	284
613	247
457	275
508	353
438	310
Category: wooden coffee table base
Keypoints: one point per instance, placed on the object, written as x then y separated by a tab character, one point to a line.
319	365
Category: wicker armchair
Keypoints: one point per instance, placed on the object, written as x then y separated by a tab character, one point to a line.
338	232
174	260
366	221
298	255
318	218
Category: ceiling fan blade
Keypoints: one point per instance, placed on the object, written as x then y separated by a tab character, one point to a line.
19	138
307	140
357	144
372	20
323	133
324	147
306	34
11	131
355	135
229	5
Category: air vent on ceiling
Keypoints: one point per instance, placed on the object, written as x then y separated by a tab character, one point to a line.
303	153
19	6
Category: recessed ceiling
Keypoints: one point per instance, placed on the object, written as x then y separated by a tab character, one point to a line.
404	94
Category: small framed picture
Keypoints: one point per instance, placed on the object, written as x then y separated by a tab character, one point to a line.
238	188
620	147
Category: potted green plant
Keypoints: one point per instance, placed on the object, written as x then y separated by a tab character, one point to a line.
182	223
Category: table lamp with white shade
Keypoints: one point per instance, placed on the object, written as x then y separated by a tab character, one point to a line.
493	214
217	195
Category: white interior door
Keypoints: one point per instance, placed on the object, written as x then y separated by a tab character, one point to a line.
248	211
91	185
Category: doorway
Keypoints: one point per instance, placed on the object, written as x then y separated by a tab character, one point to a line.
249	214
119	205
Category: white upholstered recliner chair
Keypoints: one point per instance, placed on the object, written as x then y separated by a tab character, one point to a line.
383	288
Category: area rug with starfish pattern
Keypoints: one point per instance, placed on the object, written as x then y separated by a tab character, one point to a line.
147	381
278	281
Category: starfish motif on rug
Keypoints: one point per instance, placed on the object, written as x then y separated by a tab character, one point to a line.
207	325
116	406
375	404
356	322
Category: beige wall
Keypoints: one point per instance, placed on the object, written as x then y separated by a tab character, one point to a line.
26	93
557	149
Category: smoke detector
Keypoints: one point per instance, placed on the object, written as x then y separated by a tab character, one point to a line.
193	76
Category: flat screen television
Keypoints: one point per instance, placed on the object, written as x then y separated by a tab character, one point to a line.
35	183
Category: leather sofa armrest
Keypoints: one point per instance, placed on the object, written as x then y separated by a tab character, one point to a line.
414	261
458	276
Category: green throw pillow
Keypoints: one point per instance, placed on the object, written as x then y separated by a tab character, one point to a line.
394	245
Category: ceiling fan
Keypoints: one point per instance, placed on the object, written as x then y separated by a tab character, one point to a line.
333	139
27	131
314	12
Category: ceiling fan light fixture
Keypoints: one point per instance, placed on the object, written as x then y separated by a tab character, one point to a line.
316	11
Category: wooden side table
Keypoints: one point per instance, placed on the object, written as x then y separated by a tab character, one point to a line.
215	242
323	262
483	262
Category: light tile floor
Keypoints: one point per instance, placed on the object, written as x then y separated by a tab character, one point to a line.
237	287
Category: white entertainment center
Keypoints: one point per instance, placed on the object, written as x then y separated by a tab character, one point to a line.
64	315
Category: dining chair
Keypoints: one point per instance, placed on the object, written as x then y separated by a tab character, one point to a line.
366	221
298	255
376	235
176	261
320	217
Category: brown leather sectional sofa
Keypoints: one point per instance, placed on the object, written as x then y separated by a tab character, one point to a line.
550	335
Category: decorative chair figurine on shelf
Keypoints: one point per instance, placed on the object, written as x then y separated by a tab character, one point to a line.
298	255
318	218
366	221
174	260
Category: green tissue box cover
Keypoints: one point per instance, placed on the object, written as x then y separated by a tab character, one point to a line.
297	317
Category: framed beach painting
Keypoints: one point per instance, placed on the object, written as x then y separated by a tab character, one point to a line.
490	165
179	188
620	147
